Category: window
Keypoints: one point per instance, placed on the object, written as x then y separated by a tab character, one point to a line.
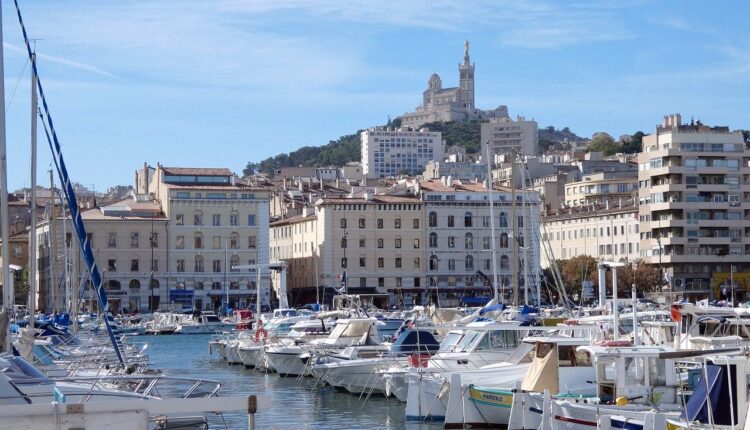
467	219
380	243
361	242
198	218
433	240
503	220
179	242
451	242
486	243
362	262
380	222
251	242
153	239
504	262
112	240
397	223
417	282
251	220
112	265
134	284
179	219
381	282
180	265
415	223
361	223
451	221
217	242
198	240
234	241
416	262
155	265
416	243
215	285
398	262
134	239
198	266
433	262
343	242
199	285
469	241
451	264
485	221
134	265
432	219
381	263
398	243
362	282
217	266
469	263
343	222
216	220
234	219
343	263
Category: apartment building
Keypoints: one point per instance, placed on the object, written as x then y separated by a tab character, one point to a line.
507	136
608	233
695	207
389	153
602	188
128	239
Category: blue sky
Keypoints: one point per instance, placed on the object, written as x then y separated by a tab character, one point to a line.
219	83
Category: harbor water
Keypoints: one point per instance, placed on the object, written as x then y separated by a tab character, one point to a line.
296	403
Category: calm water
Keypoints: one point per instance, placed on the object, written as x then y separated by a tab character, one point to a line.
297	404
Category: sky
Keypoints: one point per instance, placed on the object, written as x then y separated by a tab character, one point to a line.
200	83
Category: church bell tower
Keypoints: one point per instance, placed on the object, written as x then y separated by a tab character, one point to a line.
466	80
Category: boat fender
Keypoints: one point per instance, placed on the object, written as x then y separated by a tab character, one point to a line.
261	332
621	401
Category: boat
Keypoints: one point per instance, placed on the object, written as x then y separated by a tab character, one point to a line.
202	322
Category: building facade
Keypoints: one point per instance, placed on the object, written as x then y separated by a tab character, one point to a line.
602	188
507	136
389	153
607	233
695	207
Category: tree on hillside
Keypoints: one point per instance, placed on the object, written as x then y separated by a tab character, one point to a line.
603	142
635	144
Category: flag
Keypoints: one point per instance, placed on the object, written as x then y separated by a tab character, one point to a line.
676	314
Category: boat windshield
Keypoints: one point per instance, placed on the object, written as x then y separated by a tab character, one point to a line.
450	341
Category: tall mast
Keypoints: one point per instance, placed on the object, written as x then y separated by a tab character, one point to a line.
32	233
514	226
4	231
53	244
526	235
498	299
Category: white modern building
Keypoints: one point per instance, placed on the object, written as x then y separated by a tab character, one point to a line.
506	136
388	153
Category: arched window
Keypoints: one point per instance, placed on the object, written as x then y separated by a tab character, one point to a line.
504	262
467	219
432	219
503	220
433	240
134	284
198	286
198	263
233	262
154	283
469	263
113	285
469	241
504	240
433	262
198	240
216	285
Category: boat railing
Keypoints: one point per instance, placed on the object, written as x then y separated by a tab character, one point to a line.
148	386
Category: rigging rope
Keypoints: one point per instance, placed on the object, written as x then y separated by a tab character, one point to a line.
70	196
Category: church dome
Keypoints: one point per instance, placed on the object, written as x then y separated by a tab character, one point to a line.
435	82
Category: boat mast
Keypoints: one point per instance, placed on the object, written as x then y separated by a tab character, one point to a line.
514	225
498	298
31	302
4	231
53	244
526	235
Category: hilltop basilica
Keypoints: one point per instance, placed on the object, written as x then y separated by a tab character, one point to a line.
451	104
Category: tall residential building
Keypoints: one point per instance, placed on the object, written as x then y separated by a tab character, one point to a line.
388	153
451	104
506	136
602	188
695	206
216	222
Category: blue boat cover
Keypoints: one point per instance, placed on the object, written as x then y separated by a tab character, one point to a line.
493	308
415	341
697	406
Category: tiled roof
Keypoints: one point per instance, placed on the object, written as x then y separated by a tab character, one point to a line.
204	171
293	220
439	186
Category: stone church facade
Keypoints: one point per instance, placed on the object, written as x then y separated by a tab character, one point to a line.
451	104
